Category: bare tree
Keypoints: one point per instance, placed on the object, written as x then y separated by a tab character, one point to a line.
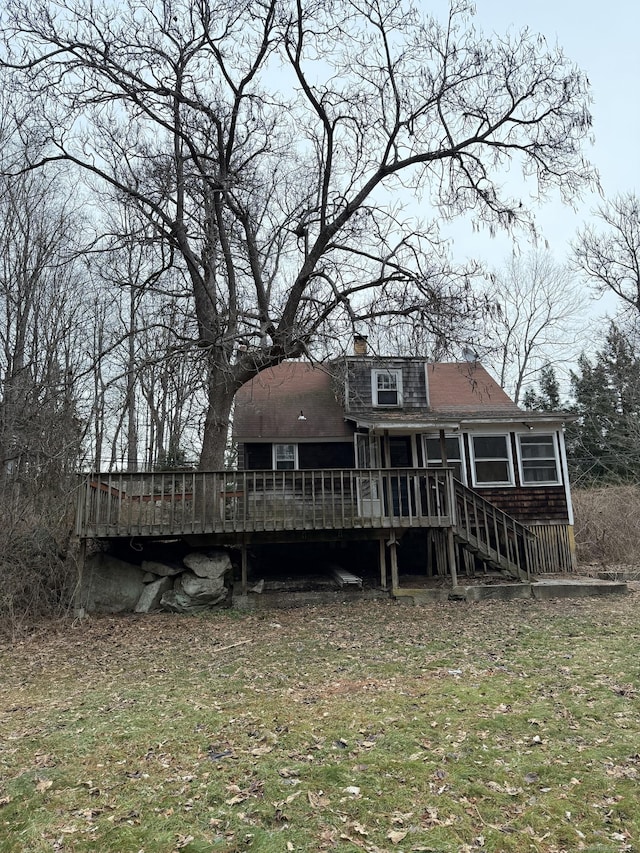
608	254
262	143
537	319
40	340
42	322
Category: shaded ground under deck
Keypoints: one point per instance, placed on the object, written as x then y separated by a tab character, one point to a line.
280	594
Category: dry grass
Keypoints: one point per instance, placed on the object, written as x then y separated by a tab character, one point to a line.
606	524
498	726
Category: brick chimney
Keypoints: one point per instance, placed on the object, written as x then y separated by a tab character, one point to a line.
359	344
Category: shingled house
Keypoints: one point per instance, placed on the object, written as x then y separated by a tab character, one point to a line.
411	468
401	423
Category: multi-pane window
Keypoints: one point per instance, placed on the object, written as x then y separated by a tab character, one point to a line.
284	457
386	387
433	456
538	459
492	460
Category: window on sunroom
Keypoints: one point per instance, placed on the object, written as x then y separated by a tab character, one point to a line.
539	459
492	460
454	455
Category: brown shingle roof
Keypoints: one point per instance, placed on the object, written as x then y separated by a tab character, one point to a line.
269	405
466	387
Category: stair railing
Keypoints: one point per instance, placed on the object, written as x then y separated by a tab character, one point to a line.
496	536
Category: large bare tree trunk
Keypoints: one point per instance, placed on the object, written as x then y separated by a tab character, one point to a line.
221	391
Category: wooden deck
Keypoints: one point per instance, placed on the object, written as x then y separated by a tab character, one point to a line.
219	502
237	507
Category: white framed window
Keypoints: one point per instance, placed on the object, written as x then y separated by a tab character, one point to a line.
433	459
492	464
539	463
285	457
386	387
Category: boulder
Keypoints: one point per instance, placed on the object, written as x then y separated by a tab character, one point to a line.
151	595
109	585
211	565
200	590
178	602
162	570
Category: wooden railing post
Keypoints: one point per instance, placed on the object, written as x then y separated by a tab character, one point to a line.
451	554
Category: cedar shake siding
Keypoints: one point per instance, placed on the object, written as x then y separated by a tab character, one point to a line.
414	388
529	505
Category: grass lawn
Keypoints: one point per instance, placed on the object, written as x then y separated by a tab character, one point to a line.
369	727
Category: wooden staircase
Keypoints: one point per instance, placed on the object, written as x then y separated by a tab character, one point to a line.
489	533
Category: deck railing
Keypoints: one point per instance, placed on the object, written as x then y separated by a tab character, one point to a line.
197	502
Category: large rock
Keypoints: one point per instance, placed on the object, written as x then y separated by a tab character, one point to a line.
163	570
178	602
109	585
201	590
151	595
212	565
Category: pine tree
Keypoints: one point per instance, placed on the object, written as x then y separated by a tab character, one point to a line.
605	441
547	398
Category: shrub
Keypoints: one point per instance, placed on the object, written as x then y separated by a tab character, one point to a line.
606	524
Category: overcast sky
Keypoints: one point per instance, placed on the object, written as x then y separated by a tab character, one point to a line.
602	37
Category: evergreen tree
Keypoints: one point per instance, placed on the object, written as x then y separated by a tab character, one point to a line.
605	442
547	398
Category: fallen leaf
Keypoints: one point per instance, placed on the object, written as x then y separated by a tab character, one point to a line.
239	798
293	797
395	836
262	750
319	800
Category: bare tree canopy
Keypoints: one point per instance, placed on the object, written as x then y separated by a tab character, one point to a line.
609	253
271	147
538	319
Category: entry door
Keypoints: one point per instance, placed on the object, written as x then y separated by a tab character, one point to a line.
368	483
400	455
402	485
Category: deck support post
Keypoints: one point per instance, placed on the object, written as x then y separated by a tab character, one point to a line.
451	549
244	561
77	594
393	550
382	559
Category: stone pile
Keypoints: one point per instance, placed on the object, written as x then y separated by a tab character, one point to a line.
200	581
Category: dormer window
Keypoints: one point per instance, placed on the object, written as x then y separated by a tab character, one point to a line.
386	387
